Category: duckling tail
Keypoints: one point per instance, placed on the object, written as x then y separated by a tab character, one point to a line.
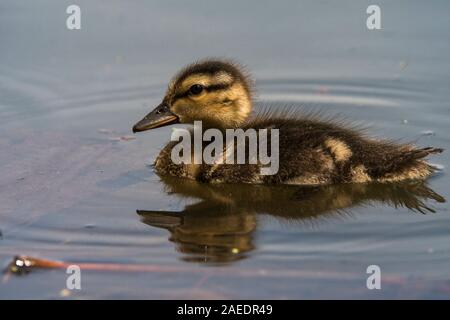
408	164
416	154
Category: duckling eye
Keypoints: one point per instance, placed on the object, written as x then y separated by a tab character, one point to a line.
196	89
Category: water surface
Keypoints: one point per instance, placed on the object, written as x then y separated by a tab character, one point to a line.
77	187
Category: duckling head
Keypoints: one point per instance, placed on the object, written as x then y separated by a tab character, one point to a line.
216	92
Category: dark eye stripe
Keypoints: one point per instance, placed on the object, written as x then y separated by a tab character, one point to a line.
217	87
211	88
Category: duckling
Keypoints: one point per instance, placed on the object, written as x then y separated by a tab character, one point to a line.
312	150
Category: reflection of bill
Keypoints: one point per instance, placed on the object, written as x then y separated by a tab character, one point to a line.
220	227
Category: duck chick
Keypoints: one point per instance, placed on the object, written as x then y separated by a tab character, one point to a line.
312	151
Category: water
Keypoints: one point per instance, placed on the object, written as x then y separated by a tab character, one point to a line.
76	187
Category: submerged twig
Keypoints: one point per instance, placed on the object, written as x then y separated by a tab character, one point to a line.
25	264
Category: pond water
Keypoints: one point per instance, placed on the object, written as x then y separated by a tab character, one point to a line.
76	185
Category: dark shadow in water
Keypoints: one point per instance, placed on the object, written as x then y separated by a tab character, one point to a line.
220	227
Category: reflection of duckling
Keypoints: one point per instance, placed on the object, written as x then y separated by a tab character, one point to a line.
311	150
220	227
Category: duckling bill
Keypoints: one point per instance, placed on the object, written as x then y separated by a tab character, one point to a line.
312	150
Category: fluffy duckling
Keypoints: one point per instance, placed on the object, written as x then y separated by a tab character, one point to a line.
312	151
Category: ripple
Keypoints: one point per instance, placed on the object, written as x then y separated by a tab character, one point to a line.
29	94
352	92
328	99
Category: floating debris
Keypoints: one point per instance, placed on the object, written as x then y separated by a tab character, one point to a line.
105	131
116	138
427	133
127	138
23	264
90	225
122	138
405	121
